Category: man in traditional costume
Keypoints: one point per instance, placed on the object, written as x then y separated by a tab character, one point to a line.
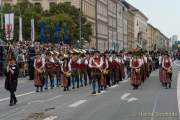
74	69
49	72
104	72
95	63
57	68
11	81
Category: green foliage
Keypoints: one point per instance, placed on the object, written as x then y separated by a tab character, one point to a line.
62	13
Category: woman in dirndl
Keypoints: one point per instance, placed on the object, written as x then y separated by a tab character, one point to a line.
167	71
39	70
161	57
135	65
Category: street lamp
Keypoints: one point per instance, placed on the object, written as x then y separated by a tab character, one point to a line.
80	35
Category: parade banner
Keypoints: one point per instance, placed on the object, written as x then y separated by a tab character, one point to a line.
9	26
57	33
42	32
32	31
51	36
20	29
65	34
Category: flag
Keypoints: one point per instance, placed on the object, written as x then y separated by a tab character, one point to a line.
9	26
65	34
50	35
42	32
20	29
32	30
57	33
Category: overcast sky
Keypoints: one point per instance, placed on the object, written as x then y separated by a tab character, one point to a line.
163	14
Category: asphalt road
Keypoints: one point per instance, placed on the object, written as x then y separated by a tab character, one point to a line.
120	102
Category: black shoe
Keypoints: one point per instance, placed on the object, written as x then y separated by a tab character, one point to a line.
41	89
93	93
81	85
11	104
67	89
64	89
73	87
46	88
15	101
169	85
99	91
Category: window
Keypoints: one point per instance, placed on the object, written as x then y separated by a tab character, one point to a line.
37	4
52	4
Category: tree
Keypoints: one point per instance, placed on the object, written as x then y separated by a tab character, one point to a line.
62	13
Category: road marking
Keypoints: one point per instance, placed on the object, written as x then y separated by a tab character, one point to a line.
178	91
125	95
25	94
125	98
154	108
43	101
132	99
77	103
51	118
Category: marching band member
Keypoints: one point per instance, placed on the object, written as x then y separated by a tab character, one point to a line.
66	72
161	57
142	68
104	72
82	69
167	70
74	69
95	63
11	80
122	64
57	68
135	65
39	68
49	64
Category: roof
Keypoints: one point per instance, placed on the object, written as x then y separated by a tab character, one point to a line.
132	8
129	6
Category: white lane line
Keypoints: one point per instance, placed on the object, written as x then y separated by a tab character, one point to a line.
132	99
77	103
43	101
25	94
125	95
178	91
51	118
154	108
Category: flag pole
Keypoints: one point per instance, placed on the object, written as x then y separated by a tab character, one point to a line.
1	3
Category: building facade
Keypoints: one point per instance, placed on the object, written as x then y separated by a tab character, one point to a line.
140	29
89	10
120	26
131	42
112	24
125	28
102	24
44	3
151	36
